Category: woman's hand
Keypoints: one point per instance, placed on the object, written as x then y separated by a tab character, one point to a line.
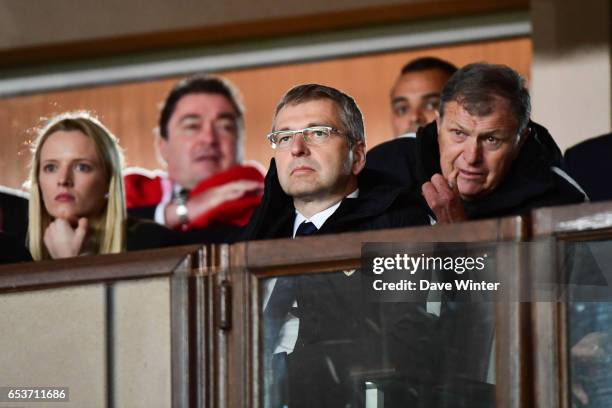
64	241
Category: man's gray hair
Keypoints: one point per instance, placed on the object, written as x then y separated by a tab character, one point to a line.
476	86
350	115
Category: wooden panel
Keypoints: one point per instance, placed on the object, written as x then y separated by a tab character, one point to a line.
579	219
131	110
342	251
551	365
141	343
333	252
90	269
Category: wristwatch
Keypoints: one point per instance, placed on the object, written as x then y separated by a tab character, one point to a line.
181	211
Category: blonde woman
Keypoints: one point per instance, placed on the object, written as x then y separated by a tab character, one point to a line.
77	204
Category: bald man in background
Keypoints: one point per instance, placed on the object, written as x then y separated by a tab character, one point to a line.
415	96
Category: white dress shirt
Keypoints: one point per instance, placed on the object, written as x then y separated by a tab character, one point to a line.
289	330
168	190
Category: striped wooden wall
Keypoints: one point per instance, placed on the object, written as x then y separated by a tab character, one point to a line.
130	110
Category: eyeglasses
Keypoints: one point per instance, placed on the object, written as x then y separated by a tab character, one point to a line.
313	136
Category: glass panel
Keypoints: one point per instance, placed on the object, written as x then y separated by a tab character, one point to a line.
141	343
589	315
327	343
56	338
84	336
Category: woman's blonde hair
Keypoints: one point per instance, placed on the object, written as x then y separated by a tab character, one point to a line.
109	229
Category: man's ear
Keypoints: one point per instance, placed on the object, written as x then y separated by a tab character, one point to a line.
359	157
162	148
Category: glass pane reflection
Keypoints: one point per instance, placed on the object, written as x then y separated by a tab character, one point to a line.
326	344
70	337
590	323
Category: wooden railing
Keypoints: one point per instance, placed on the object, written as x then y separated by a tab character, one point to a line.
205	302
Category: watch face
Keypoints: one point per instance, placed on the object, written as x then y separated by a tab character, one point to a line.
181	210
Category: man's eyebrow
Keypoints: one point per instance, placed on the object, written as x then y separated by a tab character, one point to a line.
227	115
431	95
314	124
494	132
398	99
311	124
190	116
455	124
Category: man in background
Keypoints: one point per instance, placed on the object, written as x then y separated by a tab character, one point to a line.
201	127
415	96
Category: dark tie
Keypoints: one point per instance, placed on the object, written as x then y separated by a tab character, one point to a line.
305	228
282	297
280	303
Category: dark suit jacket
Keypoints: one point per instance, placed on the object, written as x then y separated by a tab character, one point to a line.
145	234
394	159
217	234
145	213
341	331
14	213
590	164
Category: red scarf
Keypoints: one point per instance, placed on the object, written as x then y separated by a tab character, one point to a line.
145	190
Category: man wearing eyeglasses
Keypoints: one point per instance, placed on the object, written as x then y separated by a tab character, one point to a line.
200	141
318	329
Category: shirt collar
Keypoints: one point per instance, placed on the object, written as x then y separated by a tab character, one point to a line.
319	218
